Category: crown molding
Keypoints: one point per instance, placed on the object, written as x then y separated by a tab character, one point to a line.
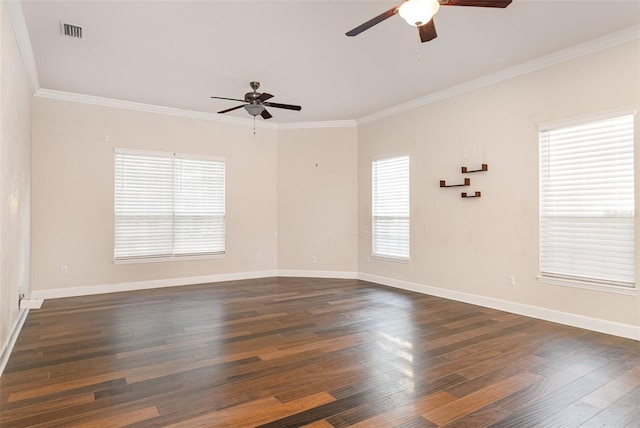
149	108
595	45
316	125
170	111
24	42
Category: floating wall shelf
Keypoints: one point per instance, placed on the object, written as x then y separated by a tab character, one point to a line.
467	182
464	195
484	168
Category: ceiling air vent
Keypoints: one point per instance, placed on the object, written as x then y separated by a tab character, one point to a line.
72	30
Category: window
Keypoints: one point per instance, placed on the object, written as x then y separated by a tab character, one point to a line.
168	205
390	207
587	202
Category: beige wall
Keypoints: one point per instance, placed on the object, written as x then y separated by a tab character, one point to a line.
283	209
15	170
317	199
73	192
470	246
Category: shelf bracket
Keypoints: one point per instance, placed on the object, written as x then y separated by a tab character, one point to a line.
467	182
484	168
464	195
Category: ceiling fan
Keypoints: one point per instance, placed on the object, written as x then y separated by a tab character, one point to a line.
419	13
255	103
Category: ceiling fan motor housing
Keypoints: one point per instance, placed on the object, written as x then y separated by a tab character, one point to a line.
251	97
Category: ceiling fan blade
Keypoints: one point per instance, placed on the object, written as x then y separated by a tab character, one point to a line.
427	31
264	96
230	99
265	114
284	106
478	3
370	23
231	109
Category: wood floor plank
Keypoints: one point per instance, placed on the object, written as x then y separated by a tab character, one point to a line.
45	407
406	414
613	390
55	387
123	418
622	412
481	398
319	424
255	413
482	417
633	422
483	374
574	414
530	408
121	415
291	352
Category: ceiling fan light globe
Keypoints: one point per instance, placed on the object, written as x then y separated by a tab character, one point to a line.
418	12
254	109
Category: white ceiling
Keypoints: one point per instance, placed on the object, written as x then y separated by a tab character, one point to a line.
179	53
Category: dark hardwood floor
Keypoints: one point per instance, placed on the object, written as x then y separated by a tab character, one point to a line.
291	352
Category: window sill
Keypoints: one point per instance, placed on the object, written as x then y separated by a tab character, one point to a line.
390	258
167	259
586	285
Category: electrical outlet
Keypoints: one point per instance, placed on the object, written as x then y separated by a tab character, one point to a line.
64	269
511	280
259	256
314	259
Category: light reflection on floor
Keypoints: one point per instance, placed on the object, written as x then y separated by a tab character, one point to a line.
401	351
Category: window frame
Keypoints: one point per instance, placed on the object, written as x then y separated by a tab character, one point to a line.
590	283
173	256
383	256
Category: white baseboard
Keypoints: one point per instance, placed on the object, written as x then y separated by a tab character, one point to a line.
56	293
318	274
580	321
15	332
595	324
31	303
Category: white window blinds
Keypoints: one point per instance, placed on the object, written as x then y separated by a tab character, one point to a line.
587	201
390	207
168	205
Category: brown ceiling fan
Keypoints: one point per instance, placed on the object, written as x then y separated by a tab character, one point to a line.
419	13
255	103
